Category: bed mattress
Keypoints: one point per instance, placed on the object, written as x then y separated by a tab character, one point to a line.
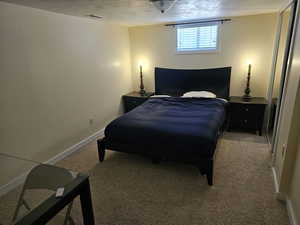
174	127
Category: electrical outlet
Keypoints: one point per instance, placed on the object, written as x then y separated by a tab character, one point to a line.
91	122
283	150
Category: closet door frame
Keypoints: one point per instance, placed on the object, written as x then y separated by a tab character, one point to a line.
284	71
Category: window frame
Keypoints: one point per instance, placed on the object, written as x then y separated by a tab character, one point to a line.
198	51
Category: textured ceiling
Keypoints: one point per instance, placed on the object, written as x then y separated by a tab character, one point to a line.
140	12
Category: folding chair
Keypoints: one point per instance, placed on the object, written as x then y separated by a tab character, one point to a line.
46	177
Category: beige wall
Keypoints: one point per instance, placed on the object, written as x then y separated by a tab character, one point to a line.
289	122
57	73
287	162
245	38
294	192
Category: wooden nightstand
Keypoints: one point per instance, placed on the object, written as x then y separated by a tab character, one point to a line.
134	99
246	114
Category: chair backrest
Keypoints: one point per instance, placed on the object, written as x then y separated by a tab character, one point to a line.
47	177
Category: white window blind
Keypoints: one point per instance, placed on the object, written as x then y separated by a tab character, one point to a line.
198	38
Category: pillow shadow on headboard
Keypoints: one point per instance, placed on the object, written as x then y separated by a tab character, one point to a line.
176	82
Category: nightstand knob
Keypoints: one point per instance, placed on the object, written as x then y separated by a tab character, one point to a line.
247	109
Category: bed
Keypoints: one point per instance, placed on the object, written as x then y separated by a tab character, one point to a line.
175	128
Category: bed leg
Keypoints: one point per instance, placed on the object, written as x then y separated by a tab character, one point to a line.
156	160
210	172
202	171
101	149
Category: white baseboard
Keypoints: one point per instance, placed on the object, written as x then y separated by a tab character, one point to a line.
4	189
291	212
282	197
75	148
279	196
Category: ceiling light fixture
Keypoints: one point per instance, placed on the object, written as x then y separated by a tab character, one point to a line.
163	5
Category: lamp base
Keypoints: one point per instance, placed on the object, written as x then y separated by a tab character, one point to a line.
247	98
142	92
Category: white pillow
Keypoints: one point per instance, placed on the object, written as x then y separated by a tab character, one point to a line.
223	99
199	94
160	96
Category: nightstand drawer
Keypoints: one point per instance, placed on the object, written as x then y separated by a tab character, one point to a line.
246	115
245	122
246	109
133	100
131	103
251	113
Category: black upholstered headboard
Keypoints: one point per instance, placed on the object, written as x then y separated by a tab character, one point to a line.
176	82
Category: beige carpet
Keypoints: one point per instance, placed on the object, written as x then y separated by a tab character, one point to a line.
129	189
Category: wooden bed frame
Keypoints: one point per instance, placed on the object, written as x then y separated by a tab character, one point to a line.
175	82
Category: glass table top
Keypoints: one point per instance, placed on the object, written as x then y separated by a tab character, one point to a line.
25	184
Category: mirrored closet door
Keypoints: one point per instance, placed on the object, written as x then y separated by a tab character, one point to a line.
278	77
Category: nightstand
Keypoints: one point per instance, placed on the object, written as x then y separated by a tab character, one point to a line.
134	99
247	115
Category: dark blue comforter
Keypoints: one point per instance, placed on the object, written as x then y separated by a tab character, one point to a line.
170	127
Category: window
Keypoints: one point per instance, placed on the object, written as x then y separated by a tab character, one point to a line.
198	38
